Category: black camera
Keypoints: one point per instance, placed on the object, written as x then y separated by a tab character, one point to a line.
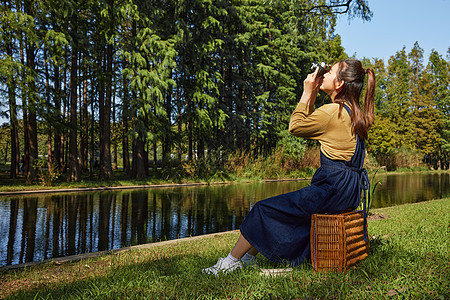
323	68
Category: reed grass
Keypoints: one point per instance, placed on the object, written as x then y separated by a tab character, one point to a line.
408	260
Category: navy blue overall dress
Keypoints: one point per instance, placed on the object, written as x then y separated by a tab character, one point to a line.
279	227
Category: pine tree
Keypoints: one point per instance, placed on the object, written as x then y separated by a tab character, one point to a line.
438	70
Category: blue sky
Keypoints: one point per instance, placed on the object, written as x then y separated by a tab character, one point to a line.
397	23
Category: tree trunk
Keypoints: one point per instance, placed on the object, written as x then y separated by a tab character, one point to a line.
114	137
26	141
15	147
190	142
49	153
180	141
105	122
63	158
31	96
84	126
155	155
57	135
139	161
32	137
73	138
167	132
125	146
200	145
48	122
92	150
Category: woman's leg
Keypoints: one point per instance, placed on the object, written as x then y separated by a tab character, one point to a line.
233	260
241	247
253	251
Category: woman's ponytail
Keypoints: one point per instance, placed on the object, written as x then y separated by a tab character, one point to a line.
370	96
353	74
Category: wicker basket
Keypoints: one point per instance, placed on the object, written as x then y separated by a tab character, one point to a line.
337	241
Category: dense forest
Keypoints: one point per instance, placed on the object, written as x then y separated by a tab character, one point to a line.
97	85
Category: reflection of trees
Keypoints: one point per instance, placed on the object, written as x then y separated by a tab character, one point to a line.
124	219
104	214
29	229
82	223
139	217
14	210
410	188
72	204
58	217
154	216
165	215
113	220
48	219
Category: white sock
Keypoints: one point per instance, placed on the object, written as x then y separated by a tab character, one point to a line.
248	258
230	258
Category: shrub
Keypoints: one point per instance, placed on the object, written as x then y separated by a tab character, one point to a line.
401	158
48	172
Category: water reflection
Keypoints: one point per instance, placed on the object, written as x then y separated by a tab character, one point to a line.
38	228
410	188
48	226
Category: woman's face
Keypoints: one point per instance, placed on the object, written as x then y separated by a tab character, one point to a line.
330	84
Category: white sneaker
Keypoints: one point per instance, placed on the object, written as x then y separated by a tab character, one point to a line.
222	267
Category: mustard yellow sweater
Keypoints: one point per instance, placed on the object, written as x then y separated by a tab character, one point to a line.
334	133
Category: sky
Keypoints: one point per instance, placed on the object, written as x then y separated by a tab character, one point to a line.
396	24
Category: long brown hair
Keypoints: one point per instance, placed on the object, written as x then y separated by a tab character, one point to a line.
352	73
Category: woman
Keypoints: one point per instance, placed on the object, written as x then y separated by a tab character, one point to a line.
279	227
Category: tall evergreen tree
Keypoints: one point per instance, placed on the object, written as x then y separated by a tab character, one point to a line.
438	70
398	100
425	115
14	24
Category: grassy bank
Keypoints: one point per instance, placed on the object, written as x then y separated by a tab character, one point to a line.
408	259
160	177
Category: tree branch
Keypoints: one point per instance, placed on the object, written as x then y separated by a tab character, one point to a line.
347	5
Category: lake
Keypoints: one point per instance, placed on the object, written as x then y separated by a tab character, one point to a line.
34	228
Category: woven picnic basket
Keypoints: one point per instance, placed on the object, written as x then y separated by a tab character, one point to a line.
337	241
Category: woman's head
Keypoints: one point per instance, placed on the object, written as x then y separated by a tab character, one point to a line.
344	83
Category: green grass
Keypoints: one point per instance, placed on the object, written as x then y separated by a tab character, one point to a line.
120	179
160	176
408	260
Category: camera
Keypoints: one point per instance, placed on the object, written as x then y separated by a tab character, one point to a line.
323	68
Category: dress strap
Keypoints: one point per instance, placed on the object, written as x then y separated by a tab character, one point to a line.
365	186
347	108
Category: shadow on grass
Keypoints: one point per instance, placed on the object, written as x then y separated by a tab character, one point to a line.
177	277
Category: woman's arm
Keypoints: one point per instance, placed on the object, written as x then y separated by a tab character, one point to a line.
311	86
302	122
309	125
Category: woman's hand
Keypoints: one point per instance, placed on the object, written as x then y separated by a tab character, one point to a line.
312	83
311	87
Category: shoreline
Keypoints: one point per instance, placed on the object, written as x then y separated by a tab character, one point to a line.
9	190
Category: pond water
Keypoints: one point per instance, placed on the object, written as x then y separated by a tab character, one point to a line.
34	228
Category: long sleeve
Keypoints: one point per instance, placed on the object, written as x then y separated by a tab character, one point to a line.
334	132
308	124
